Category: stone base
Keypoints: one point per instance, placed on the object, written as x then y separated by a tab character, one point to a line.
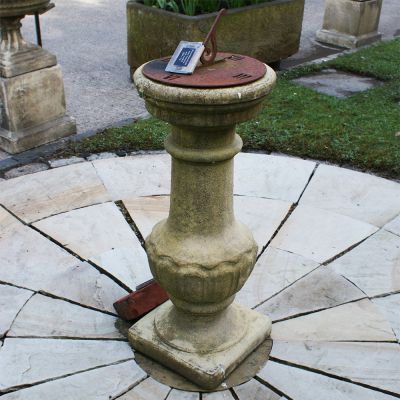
205	369
16	142
345	40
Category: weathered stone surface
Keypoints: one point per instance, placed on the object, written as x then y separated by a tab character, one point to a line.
98	384
28	361
355	194
62	162
101	156
51	192
86	231
320	289
320	235
274	270
181	395
358	321
224	395
390	308
12	299
25	170
393	226
254	390
4	155
149	389
374	364
44	316
281	178
299	384
135	176
374	265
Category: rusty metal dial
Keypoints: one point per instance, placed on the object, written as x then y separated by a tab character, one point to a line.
228	70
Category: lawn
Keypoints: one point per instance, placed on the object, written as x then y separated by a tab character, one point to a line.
362	131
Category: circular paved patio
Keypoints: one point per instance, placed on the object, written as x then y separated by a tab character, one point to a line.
328	274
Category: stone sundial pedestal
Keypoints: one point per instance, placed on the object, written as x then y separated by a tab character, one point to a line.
201	255
31	84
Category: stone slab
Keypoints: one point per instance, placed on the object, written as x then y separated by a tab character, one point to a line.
140	175
12	299
274	270
25	170
29	361
47	317
149	389
357	321
86	231
52	192
97	384
281	178
374	265
255	390
355	194
101	156
224	395
393	226
298	383
320	235
390	308
62	162
320	289
182	395
373	364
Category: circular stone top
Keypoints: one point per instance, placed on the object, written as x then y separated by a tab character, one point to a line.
11	8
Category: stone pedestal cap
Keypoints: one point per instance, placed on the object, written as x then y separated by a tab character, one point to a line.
12	8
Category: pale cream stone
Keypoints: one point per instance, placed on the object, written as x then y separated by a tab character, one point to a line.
320	235
273	177
355	194
393	226
274	270
98	384
225	395
45	317
373	364
149	389
358	321
254	390
52	192
182	395
390	308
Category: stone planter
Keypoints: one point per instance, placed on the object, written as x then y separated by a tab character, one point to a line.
269	32
350	23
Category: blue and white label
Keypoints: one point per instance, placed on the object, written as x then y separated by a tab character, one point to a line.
185	58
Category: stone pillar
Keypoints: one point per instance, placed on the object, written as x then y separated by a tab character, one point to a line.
350	23
31	85
201	255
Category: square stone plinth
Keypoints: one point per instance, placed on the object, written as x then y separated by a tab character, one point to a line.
206	370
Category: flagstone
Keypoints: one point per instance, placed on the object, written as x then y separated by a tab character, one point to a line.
320	289
254	390
36	196
182	395
374	265
29	361
224	395
320	235
44	316
355	194
275	270
373	364
12	299
98	384
149	389
140	175
390	308
87	232
274	177
393	226
300	384
357	321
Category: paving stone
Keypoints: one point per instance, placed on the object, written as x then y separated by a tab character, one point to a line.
225	395
299	384
149	389
86	231
254	390
30	260
51	192
44	316
181	395
62	162
374	364
25	170
101	156
12	299
394	226
320	235
358	321
274	177
389	306
98	384
141	175
28	361
320	289
274	270
374	265
355	194
337	83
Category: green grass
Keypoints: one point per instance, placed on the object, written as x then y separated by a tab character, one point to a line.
359	131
